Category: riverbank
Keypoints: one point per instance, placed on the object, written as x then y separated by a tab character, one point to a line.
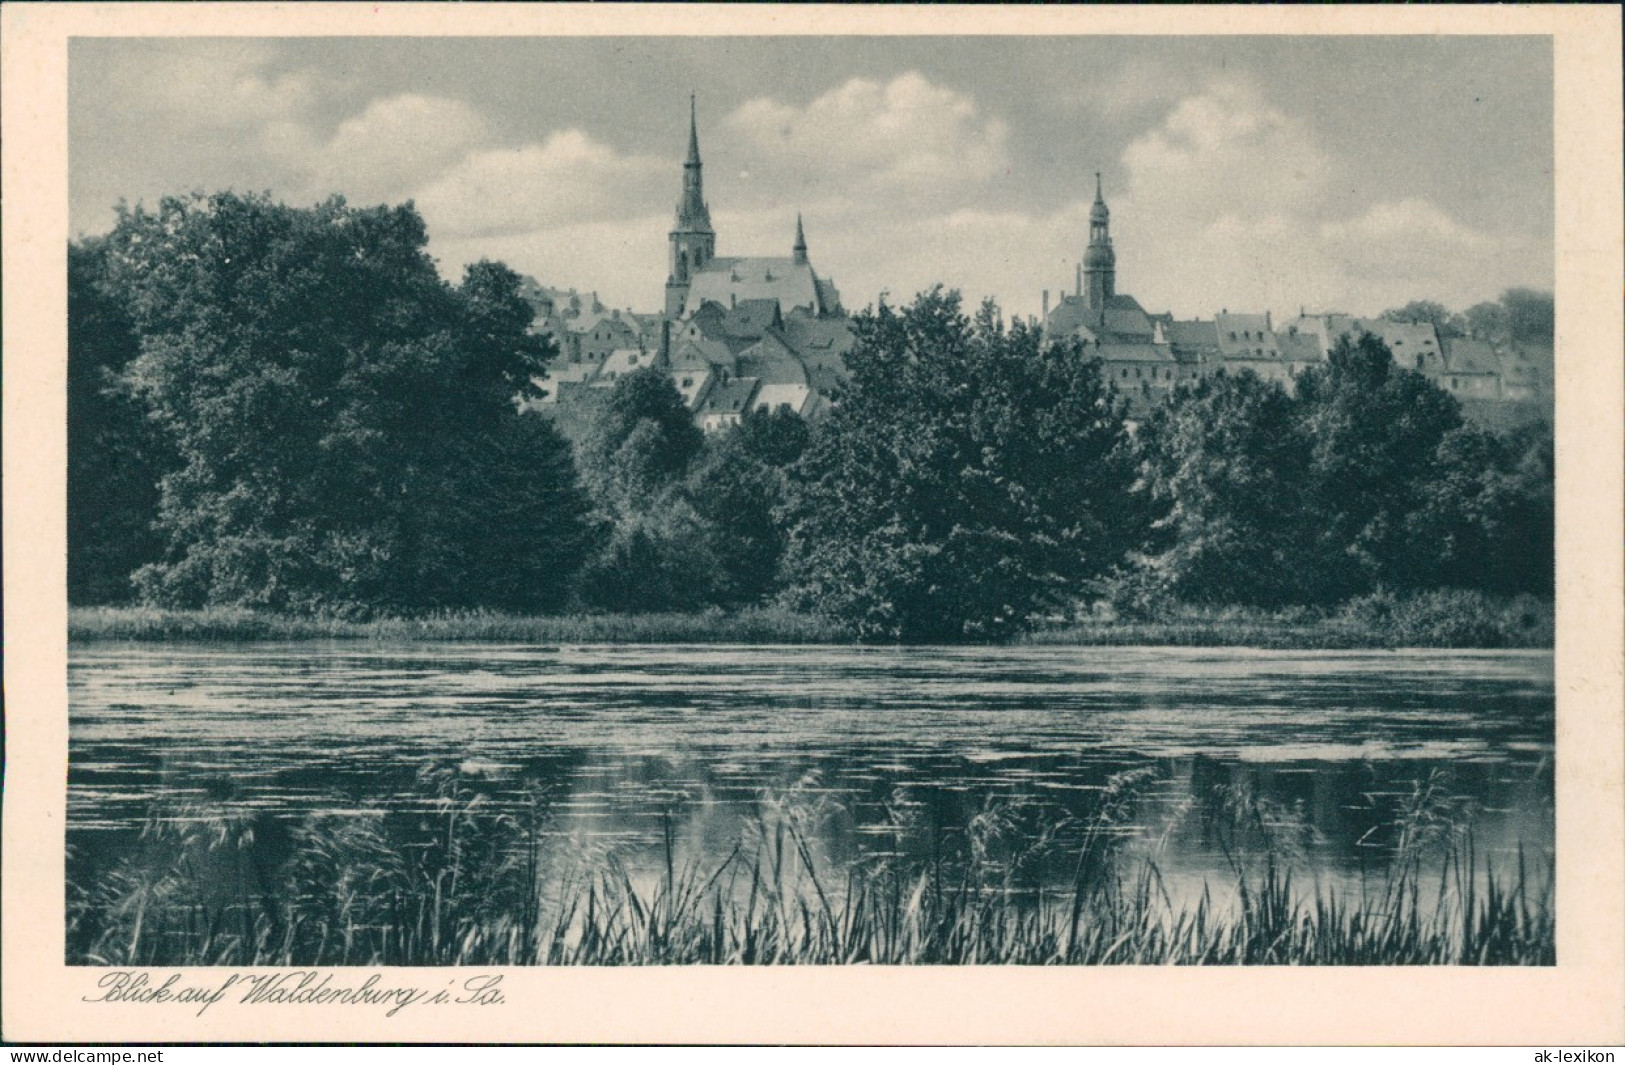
1436	620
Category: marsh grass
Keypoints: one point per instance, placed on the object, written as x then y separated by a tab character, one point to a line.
237	625
1381	620
465	885
1436	619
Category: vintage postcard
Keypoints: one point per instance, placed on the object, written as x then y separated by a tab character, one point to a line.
824	524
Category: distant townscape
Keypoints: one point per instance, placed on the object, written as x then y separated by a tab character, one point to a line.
744	333
291	409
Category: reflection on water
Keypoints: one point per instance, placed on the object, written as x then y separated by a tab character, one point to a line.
879	751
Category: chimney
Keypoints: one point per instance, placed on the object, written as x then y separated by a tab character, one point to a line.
1046	305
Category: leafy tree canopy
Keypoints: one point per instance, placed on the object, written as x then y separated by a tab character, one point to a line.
1226	465
970	479
115	456
639	442
1446	321
344	419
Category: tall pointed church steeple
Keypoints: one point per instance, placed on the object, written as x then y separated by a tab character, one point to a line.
693	241
799	252
692	213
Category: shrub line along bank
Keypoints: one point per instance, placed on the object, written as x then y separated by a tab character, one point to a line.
1437	620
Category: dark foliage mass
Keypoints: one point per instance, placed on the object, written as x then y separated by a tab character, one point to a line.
970	479
1366	478
691	522
289	409
115	456
341	421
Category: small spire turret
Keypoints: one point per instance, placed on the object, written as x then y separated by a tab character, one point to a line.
693	134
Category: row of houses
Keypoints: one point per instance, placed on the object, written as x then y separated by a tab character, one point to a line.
725	361
1146	355
768	332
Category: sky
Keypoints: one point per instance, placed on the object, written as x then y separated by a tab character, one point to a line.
1243	173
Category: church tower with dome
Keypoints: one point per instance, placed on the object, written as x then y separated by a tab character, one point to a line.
1099	276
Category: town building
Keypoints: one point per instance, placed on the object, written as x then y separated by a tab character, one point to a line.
737	333
1145	356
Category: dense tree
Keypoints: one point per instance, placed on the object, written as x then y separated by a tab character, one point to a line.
970	479
740	485
1531	316
1487	321
1520	316
1446	321
115	456
1487	517
1226	464
656	558
639	441
345	419
1373	433
777	438
1367	478
655	550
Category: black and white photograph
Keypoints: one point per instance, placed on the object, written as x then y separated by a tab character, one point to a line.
591	502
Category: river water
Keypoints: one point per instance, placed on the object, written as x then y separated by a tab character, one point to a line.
629	750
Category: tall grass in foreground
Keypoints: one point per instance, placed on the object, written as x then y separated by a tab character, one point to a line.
474	889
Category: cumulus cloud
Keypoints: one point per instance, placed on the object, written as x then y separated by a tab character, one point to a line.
210	84
398	141
621	258
1233	202
906	134
875	167
568	178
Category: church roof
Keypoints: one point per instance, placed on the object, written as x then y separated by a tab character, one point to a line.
829	299
729	281
1120	320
